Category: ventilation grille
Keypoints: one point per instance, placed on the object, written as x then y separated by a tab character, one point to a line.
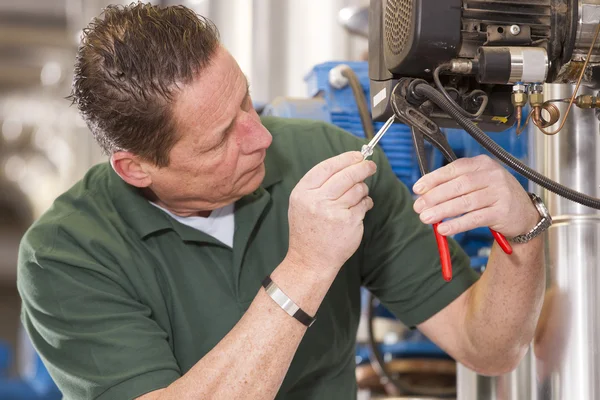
398	20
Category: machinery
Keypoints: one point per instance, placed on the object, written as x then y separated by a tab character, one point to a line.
472	46
485	65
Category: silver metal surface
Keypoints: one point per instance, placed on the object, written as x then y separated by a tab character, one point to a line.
513	386
564	359
515	30
355	20
461	66
528	64
589	17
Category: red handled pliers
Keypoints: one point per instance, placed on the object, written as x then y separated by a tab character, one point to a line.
423	128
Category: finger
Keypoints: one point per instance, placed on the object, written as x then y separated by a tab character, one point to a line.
321	172
359	210
341	182
455	188
353	196
472	220
461	205
451	171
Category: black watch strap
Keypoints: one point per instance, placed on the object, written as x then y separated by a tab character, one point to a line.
286	303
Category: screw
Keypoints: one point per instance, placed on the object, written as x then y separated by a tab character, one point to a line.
515	30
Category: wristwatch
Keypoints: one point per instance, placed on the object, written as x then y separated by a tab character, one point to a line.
541	226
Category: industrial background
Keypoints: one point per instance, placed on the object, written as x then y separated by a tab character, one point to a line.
287	48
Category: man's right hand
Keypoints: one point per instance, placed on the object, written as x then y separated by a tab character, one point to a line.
326	212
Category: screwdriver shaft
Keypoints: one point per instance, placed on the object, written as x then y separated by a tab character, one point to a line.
367	150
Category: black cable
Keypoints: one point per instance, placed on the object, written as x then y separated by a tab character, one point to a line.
361	101
375	358
394	387
483	139
438	83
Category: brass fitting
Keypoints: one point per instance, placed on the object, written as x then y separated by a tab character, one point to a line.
519	99
587	101
536	99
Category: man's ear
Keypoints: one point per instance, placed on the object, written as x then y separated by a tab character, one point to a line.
131	168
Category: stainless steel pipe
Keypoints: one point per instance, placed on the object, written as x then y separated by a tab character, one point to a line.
564	359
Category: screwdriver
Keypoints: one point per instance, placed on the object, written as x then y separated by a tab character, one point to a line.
367	149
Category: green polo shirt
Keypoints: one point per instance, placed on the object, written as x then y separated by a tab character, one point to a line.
120	299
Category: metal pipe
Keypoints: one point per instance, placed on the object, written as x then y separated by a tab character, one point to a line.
565	359
512	386
563	362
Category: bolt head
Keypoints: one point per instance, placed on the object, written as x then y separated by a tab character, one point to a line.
519	87
515	30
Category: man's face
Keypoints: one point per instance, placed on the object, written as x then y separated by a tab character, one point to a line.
219	156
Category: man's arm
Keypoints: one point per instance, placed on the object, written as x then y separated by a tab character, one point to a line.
253	358
490	326
326	214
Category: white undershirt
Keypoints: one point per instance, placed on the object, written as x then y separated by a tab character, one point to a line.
219	224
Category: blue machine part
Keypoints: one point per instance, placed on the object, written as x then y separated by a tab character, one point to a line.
396	143
5	359
34	381
403	349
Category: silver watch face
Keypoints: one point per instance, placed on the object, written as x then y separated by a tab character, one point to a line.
540	206
541	226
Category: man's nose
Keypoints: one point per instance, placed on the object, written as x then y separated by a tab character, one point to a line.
256	137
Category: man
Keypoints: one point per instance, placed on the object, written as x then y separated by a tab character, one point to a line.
144	280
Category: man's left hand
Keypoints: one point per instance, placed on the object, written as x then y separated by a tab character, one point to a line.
475	192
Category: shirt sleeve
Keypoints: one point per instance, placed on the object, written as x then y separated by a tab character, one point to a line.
401	265
95	338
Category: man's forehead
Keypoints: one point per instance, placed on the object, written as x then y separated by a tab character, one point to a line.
215	86
208	102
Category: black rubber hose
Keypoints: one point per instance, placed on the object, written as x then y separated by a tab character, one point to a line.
483	139
361	101
442	89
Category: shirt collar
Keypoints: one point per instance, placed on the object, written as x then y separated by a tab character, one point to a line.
146	219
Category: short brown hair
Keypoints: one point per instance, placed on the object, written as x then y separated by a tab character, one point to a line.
129	68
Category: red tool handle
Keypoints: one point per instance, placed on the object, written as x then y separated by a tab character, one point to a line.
504	245
444	251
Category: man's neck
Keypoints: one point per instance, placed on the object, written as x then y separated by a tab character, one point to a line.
151	197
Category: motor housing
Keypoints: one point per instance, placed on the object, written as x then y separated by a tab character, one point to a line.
506	42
